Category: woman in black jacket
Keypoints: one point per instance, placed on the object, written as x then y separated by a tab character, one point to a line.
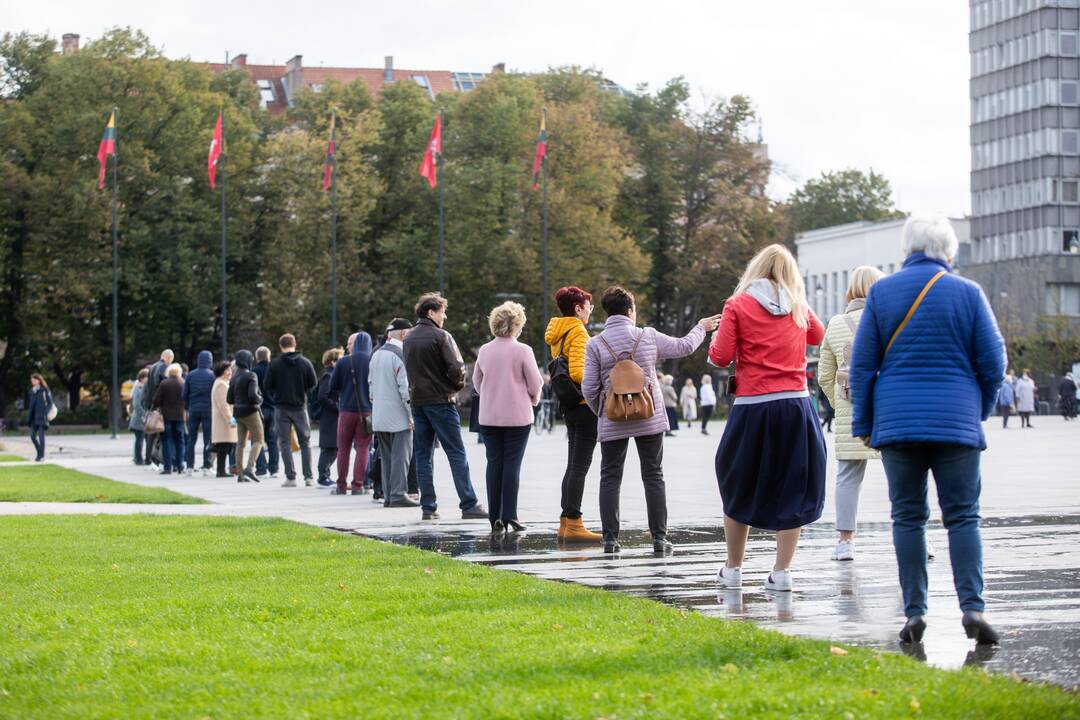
38	401
246	400
327	415
169	399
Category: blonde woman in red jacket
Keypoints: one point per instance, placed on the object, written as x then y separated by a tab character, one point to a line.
771	461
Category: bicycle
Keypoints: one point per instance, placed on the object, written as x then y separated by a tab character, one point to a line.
545	417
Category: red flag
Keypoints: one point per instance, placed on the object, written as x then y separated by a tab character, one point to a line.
434	149
541	150
331	159
215	152
106	147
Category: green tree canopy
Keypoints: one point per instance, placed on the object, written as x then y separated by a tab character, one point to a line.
840	197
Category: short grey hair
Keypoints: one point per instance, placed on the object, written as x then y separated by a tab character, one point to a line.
507	320
262	354
932	235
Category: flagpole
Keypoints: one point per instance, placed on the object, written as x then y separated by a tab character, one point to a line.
224	296
442	230
114	404
333	231
543	172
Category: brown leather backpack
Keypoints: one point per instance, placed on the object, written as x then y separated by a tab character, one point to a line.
629	397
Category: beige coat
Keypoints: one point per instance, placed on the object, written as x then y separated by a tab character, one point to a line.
836	337
221	428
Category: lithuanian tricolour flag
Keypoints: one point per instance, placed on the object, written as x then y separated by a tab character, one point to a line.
541	150
106	147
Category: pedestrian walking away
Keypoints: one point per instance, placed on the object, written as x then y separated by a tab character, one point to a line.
708	402
1026	396
222	422
169	400
1006	398
269	460
39	408
246	400
1067	397
197	387
834	379
629	408
671	403
324	410
436	375
391	414
509	385
137	417
566	338
290	380
770	464
349	390
928	333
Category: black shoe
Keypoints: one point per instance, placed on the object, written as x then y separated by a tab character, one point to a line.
241	478
325	482
913	630
976	627
497	527
661	546
251	476
376	497
223	475
515	525
611	547
475	512
403	503
163	472
433	515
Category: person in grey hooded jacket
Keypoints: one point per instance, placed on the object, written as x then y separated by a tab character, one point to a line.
197	388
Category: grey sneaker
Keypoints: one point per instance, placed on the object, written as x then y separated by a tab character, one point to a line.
308	482
433	515
477	511
289	483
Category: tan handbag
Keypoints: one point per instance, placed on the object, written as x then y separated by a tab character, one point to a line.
294	441
629	397
155	423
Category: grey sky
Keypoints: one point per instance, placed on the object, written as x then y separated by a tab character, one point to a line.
838	83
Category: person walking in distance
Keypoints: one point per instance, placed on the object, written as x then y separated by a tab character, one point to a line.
770	464
1006	399
1026	394
624	345
391	414
436	375
222	422
38	401
326	413
834	378
1067	397
708	402
169	399
197	386
245	398
289	381
269	459
566	338
137	416
688	401
349	389
671	403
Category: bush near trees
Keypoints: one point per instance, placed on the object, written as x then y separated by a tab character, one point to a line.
643	190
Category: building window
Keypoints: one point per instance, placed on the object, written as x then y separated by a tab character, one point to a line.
1063	299
266	92
1068	92
1069	191
1070	142
1068	43
1070	241
422	81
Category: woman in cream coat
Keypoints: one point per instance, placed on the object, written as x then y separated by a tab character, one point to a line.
222	422
851	453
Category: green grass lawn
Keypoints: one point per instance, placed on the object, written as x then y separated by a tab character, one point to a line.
49	483
196	617
7	457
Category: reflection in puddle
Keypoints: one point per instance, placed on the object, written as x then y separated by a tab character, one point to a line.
1031	570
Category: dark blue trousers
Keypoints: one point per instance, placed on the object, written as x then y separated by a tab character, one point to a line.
505	448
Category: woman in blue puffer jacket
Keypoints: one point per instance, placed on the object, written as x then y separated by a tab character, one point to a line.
927	362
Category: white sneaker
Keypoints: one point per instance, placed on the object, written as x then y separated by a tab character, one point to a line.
779	581
929	550
274	476
729	577
289	483
308	482
844	550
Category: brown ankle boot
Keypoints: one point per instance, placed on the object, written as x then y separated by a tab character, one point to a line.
577	532
562	528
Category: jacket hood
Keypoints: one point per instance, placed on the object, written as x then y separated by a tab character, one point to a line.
243	359
292	358
770	296
362	344
206	360
557	327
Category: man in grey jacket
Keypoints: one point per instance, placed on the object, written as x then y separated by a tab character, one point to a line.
391	413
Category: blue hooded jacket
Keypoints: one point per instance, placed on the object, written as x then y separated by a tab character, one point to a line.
343	385
198	384
940	379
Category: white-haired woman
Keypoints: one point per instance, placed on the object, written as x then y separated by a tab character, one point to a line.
924	376
771	461
835	380
509	383
708	402
688	401
169	399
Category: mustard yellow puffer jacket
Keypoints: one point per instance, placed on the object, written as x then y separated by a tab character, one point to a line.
574	349
837	336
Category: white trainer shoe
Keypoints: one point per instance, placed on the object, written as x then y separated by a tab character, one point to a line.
844	550
729	577
779	581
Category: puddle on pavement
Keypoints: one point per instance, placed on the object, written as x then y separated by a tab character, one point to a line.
1031	569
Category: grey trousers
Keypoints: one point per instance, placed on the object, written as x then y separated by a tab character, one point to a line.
286	419
849	477
396	449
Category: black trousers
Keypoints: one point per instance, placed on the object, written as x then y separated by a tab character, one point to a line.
581	442
223	451
327	457
612	458
706	414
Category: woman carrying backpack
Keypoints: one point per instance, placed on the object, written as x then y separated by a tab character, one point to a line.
566	337
834	379
771	461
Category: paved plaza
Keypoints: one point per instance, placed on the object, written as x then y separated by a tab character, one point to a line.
1030	506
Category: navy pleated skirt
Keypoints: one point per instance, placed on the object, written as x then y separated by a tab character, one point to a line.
771	464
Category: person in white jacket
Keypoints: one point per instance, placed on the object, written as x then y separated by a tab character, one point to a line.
708	402
688	401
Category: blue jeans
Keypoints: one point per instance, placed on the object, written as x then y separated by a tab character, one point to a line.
172	448
37	436
443	422
505	448
956	475
195	419
271	448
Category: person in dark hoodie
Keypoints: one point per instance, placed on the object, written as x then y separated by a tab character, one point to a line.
246	400
289	381
328	416
197	388
269	458
349	388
